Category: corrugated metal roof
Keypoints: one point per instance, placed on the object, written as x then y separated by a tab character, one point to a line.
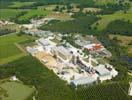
44	41
63	50
84	80
102	70
31	50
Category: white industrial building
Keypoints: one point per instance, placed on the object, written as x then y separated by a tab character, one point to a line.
40	33
62	53
32	50
47	44
80	41
84	81
104	73
130	89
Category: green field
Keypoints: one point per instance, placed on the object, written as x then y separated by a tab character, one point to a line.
9	13
15	91
34	13
104	2
9	49
20	4
32	72
112	91
106	19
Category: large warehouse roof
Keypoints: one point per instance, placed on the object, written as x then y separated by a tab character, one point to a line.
102	70
44	42
83	81
63	50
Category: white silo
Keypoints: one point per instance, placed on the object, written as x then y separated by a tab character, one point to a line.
130	89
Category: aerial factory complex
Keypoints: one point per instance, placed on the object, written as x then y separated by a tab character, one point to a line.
65	49
80	65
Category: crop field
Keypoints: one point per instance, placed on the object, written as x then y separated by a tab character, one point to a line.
113	91
9	49
104	2
34	13
125	41
9	13
15	91
20	4
106	19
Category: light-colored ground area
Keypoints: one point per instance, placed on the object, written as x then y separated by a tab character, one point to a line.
91	10
46	58
60	16
11	90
